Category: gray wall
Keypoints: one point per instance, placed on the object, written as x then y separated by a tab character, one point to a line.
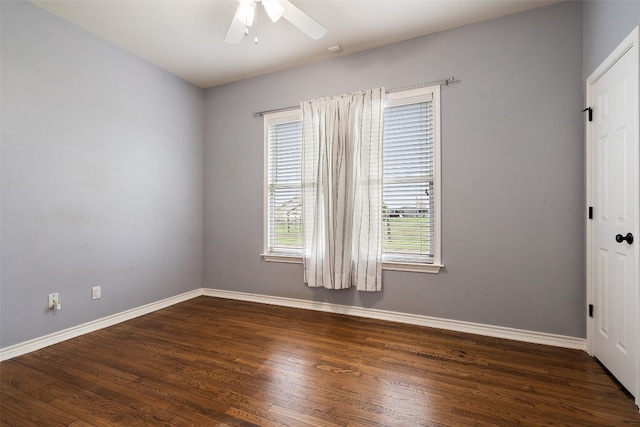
102	171
606	24
101	177
513	175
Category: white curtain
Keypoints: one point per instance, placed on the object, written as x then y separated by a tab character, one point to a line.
342	190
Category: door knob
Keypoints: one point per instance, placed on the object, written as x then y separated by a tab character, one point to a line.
620	238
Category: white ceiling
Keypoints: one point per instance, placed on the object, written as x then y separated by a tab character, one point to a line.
185	37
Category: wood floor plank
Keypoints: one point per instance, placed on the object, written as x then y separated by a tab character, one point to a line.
33	410
12	415
211	361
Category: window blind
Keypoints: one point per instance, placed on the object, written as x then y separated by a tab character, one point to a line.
284	200
410	210
408	183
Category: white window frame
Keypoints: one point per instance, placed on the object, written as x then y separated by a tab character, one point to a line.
269	120
431	93
395	98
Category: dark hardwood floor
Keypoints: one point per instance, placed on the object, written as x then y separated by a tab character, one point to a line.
211	361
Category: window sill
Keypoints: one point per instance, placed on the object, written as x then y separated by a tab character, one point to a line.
413	267
392	266
290	259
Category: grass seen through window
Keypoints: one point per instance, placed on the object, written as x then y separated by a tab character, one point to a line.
398	233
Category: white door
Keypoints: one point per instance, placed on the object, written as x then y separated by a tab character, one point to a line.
614	187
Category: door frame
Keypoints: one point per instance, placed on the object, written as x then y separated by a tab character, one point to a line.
630	43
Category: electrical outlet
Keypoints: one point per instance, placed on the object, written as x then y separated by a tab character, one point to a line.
54	301
95	292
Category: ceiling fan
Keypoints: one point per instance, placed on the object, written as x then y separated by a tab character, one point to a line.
276	9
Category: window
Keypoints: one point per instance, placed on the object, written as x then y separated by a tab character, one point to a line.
283	198
411	185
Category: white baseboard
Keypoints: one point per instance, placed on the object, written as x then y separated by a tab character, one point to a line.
413	319
85	328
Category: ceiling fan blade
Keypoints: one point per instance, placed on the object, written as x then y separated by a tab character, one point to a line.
236	29
304	22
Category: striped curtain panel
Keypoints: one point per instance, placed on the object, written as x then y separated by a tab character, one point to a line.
342	191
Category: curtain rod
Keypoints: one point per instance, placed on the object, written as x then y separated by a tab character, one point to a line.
399	89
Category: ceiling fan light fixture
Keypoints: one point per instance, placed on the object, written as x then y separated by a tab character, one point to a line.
246	15
274	9
246	12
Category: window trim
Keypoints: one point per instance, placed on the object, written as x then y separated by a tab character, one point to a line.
269	120
411	96
386	265
395	98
